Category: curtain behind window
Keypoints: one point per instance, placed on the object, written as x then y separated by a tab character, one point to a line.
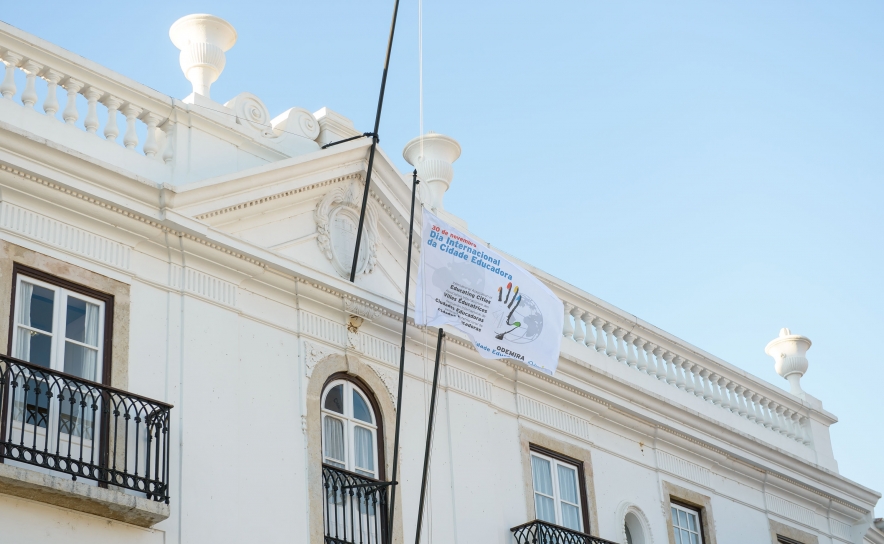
23	343
363	445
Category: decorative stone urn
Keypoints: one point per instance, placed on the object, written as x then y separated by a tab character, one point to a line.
788	351
433	160
203	39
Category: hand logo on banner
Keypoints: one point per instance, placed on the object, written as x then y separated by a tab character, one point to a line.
522	321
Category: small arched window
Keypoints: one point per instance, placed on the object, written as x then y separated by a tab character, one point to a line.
349	429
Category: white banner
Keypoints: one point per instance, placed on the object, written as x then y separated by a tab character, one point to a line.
507	312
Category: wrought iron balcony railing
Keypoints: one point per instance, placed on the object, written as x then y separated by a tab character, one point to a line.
542	532
66	424
355	507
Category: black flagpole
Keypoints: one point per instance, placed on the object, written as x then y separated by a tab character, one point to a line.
420	508
374	144
414	182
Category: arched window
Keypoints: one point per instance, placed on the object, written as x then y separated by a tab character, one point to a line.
349	429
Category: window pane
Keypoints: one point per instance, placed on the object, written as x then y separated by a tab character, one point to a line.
81	361
568	484
360	408
35	306
674	517
333	433
334	400
546	508
682	519
678	537
695	539
363	444
542	476
33	347
81	321
571	517
692	522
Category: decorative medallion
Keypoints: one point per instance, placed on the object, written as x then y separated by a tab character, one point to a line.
337	218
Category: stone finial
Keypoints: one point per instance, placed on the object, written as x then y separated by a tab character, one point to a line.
433	159
202	39
788	351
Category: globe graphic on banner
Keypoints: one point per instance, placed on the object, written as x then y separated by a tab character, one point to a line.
530	319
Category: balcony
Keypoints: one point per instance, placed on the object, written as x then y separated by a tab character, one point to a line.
355	507
541	532
66	429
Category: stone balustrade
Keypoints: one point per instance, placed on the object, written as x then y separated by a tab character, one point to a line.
621	338
53	82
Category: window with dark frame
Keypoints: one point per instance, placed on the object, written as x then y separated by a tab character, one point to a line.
786	540
63	327
60	325
559	488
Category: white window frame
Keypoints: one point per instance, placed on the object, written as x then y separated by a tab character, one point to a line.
350	425
557	500
58	334
678	530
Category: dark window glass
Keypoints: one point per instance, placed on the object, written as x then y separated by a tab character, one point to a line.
334	400
360	409
41	308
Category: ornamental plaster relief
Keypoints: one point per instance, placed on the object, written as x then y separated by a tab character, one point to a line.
337	218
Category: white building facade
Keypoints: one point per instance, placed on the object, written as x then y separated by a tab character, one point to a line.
187	362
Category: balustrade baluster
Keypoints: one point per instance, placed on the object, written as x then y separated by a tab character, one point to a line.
804	424
579	333
130	139
640	352
732	395
92	95
759	413
790	428
780	420
587	319
29	95
765	411
10	60
741	402
725	394
716	392
70	113
50	105
751	415
600	345
111	129
567	329
707	389
652	363
671	378
611	340
658	362
621	347
689	382
631	358
679	372
775	414
169	149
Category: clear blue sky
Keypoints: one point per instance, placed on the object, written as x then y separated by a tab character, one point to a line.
715	168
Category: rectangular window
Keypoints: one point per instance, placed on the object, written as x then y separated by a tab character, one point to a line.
558	485
686	525
62	327
58	328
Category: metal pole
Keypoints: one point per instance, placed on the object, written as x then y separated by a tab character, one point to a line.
420	508
414	182
374	143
